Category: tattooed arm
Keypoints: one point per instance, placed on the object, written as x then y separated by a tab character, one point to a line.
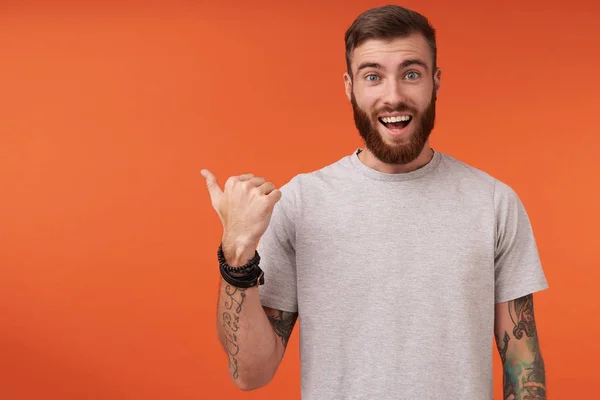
283	323
518	344
254	338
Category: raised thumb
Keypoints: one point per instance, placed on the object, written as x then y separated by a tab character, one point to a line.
214	190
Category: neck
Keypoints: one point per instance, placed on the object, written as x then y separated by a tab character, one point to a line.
369	159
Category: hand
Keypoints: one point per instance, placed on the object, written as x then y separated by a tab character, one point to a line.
245	207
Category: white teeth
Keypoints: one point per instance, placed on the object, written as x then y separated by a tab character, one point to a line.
389	120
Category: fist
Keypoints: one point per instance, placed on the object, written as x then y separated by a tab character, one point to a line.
244	206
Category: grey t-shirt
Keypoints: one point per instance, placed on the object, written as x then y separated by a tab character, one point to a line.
395	276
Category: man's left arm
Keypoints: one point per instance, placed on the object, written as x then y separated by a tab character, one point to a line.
519	348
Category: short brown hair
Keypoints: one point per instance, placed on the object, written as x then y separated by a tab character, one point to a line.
388	22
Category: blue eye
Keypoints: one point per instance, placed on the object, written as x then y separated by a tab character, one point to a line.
412	75
368	78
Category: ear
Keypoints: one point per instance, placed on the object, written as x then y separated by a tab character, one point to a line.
437	77
348	84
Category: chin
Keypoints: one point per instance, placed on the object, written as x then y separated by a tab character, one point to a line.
393	140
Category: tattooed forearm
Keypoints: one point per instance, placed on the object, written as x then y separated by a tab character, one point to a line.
524	371
524	380
233	307
282	323
246	331
504	348
521	313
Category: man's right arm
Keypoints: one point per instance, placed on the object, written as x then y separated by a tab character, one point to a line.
254	337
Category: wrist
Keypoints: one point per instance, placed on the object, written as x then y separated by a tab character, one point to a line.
242	269
237	254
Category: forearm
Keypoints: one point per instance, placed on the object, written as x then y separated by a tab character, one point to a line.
247	337
524	373
519	347
243	327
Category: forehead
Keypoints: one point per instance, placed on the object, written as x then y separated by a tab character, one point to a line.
392	51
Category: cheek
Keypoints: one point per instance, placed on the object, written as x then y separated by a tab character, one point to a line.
366	100
424	98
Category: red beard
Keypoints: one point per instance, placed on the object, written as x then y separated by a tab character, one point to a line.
400	154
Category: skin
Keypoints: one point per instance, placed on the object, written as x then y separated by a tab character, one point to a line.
391	85
253	337
517	341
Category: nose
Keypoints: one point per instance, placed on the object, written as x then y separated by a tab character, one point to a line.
393	94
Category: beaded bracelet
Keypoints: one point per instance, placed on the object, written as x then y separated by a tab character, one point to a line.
253	263
254	278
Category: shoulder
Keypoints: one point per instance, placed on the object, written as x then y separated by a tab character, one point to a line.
464	171
473	176
307	182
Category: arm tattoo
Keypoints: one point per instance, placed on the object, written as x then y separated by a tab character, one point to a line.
524	377
521	314
503	349
283	323
233	305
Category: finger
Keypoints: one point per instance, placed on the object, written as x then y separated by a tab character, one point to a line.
266	188
274	195
245	177
256	181
214	190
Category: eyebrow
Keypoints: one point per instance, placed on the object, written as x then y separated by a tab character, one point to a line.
404	64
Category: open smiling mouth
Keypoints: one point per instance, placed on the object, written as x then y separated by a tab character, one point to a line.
396	124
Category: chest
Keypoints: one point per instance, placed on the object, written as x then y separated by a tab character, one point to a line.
389	243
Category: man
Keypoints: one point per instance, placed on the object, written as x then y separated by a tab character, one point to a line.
400	262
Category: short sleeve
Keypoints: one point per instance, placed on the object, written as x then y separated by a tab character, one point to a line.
518	270
278	255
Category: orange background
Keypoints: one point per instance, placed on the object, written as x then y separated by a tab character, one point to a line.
108	279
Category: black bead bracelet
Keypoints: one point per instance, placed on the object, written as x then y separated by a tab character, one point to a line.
253	278
246	276
249	265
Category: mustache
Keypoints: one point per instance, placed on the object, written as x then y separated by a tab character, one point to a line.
401	108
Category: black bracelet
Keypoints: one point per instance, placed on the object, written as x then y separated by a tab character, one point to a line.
250	264
253	278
